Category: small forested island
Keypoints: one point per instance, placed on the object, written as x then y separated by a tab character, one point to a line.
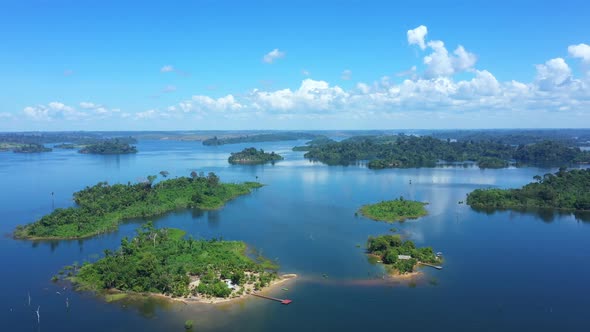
424	151
102	207
110	146
566	190
396	210
253	156
164	262
31	148
271	137
399	256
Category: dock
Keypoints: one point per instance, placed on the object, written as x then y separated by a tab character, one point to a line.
282	301
438	267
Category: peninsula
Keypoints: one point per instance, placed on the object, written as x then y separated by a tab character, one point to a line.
102	207
162	262
396	210
252	156
565	190
31	148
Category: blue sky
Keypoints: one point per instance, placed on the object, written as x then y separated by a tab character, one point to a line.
124	65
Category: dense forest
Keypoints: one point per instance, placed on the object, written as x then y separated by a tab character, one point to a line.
389	247
395	210
253	156
572	137
425	151
102	207
162	261
568	190
256	138
110	146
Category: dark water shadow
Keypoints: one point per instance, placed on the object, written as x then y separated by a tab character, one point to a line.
545	214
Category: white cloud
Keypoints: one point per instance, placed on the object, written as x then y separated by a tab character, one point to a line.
581	51
417	35
5	115
167	69
88	105
273	55
553	74
346	74
441	63
305	72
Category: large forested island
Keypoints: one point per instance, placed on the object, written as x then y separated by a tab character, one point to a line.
252	156
401	257
111	146
162	261
567	190
395	210
425	151
102	207
256	138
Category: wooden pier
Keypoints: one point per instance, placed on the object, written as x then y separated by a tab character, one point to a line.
438	267
283	301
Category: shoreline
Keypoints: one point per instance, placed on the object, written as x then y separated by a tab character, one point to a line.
212	300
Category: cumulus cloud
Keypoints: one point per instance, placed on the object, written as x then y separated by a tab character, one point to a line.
581	51
553	74
305	72
346	74
311	95
167	69
273	55
441	63
416	36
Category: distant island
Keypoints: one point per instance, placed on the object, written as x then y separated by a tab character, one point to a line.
252	156
566	190
401	151
163	262
395	210
31	148
111	146
399	256
256	138
102	207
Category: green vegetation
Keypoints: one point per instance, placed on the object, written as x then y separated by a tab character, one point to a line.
256	138
412	151
188	325
568	190
111	146
253	156
156	262
389	248
31	148
314	142
102	207
395	210
491	162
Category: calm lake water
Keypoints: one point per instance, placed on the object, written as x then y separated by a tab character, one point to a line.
504	271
